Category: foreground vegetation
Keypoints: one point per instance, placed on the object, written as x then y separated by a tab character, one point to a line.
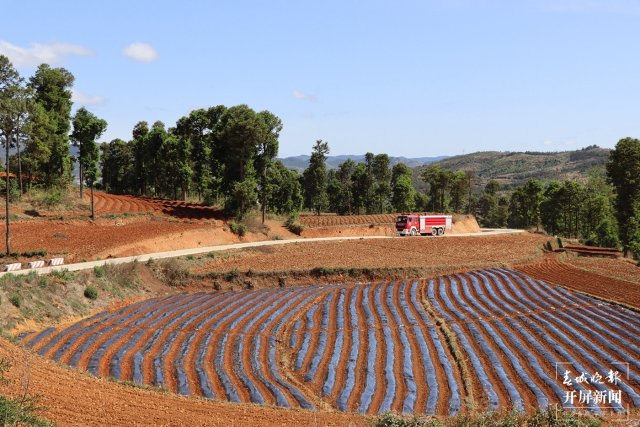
61	294
23	410
541	418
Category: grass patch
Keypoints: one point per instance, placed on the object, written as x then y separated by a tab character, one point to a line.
293	225
173	271
99	271
15	300
541	418
63	275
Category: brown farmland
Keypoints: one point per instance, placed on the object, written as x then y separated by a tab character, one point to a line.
367	348
336	349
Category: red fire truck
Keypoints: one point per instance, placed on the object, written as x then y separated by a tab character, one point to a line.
408	224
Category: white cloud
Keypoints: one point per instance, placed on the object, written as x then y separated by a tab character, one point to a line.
84	99
141	52
304	96
40	53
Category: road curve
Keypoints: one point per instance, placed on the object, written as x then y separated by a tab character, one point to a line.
218	248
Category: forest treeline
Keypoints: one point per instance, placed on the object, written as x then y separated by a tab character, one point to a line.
228	156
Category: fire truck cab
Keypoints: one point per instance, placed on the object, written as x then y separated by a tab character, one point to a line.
413	224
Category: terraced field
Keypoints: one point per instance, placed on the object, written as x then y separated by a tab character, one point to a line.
118	204
344	220
485	339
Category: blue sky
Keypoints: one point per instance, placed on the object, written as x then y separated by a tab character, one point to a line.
409	78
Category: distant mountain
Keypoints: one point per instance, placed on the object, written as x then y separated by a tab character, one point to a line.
512	169
301	162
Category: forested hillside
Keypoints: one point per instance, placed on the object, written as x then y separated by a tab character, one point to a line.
300	163
512	169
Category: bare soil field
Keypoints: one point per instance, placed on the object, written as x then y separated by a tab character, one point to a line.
299	347
371	225
613	268
602	282
428	253
480	326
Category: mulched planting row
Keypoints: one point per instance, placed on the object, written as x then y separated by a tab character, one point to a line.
482	340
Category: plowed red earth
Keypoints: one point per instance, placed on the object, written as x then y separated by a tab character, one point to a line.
169	225
341	220
245	346
73	398
601	285
417	252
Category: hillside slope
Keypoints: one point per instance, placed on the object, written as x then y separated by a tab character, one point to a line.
300	163
512	169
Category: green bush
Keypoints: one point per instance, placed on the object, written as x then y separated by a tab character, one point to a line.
322	271
99	271
63	275
293	225
48	199
16	300
232	275
91	292
237	228
32	254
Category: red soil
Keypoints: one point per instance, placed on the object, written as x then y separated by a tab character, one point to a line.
561	273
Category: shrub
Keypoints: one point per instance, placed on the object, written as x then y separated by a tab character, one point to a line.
293	225
63	275
321	271
48	199
16	300
99	271
282	281
174	272
91	292
37	253
237	228
232	275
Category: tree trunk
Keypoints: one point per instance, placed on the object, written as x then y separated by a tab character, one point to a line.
81	180
7	143
93	211
264	195
19	165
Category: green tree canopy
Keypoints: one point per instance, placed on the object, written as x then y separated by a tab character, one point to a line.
623	171
315	177
87	128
